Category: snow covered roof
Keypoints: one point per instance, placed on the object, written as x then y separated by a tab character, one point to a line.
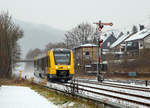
113	52
87	45
104	38
139	35
118	41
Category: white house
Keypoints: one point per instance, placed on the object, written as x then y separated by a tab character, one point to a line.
138	41
119	44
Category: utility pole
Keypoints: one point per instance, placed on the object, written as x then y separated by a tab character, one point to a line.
100	25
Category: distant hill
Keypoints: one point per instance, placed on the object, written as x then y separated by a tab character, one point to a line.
38	35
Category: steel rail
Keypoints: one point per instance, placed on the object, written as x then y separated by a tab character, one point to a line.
139	82
117	97
129	94
142	88
118	86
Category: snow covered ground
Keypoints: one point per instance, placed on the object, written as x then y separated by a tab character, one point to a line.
22	97
57	86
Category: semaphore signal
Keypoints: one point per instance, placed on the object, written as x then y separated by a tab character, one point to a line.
100	26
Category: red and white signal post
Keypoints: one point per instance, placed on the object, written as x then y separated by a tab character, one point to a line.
100	26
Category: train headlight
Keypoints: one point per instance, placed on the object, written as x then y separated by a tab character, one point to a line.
68	67
56	67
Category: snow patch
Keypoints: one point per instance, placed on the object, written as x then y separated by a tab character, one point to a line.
139	35
68	104
22	97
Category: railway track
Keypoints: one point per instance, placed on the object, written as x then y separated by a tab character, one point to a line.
144	89
128	87
87	90
98	92
137	82
113	91
108	93
146	98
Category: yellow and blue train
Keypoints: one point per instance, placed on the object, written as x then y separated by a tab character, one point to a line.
56	64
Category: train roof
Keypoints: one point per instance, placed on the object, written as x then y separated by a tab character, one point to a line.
61	49
55	50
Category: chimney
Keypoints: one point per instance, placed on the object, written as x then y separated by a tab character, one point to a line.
141	27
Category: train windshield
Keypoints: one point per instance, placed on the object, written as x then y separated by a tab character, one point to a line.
62	58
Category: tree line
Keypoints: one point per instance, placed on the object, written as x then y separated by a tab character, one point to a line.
10	50
81	34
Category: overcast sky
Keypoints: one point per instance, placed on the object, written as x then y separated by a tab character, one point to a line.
65	14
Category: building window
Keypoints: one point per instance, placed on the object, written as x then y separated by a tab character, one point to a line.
108	44
87	55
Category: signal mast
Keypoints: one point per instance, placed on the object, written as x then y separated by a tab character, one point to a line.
100	26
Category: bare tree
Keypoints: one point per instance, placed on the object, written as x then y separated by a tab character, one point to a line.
51	45
81	34
30	55
9	49
34	52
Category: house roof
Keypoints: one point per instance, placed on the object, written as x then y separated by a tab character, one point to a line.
86	45
139	35
104	37
118	41
110	40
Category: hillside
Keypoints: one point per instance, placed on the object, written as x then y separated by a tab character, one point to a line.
38	35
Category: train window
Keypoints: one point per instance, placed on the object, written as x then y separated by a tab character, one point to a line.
46	62
37	64
42	63
62	58
48	59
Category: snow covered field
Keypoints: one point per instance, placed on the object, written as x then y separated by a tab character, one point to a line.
22	97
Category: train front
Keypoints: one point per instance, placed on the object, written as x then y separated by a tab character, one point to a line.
63	64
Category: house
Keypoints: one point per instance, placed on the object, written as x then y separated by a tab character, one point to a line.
108	42
137	42
119	44
85	57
